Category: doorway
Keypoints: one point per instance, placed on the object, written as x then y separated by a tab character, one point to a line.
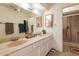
71	33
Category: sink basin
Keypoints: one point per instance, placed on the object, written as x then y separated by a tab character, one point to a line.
16	43
13	43
2	47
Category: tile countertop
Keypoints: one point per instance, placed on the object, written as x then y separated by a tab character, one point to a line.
5	49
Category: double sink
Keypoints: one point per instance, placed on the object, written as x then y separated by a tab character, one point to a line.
15	42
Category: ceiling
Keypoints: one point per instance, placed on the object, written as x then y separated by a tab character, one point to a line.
71	9
16	8
40	7
47	5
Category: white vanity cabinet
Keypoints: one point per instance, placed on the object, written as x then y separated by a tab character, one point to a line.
26	51
38	48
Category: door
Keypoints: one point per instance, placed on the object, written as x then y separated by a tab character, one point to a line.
74	25
71	28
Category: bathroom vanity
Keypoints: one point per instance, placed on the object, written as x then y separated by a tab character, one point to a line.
36	46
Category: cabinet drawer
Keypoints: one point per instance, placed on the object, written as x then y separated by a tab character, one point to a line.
22	52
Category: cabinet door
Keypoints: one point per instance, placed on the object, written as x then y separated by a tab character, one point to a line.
27	51
36	48
43	50
36	51
49	44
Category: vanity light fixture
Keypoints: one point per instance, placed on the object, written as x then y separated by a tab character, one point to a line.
35	8
25	6
36	11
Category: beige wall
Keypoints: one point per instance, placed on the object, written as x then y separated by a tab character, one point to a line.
9	15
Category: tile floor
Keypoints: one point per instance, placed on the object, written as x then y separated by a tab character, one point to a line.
66	51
